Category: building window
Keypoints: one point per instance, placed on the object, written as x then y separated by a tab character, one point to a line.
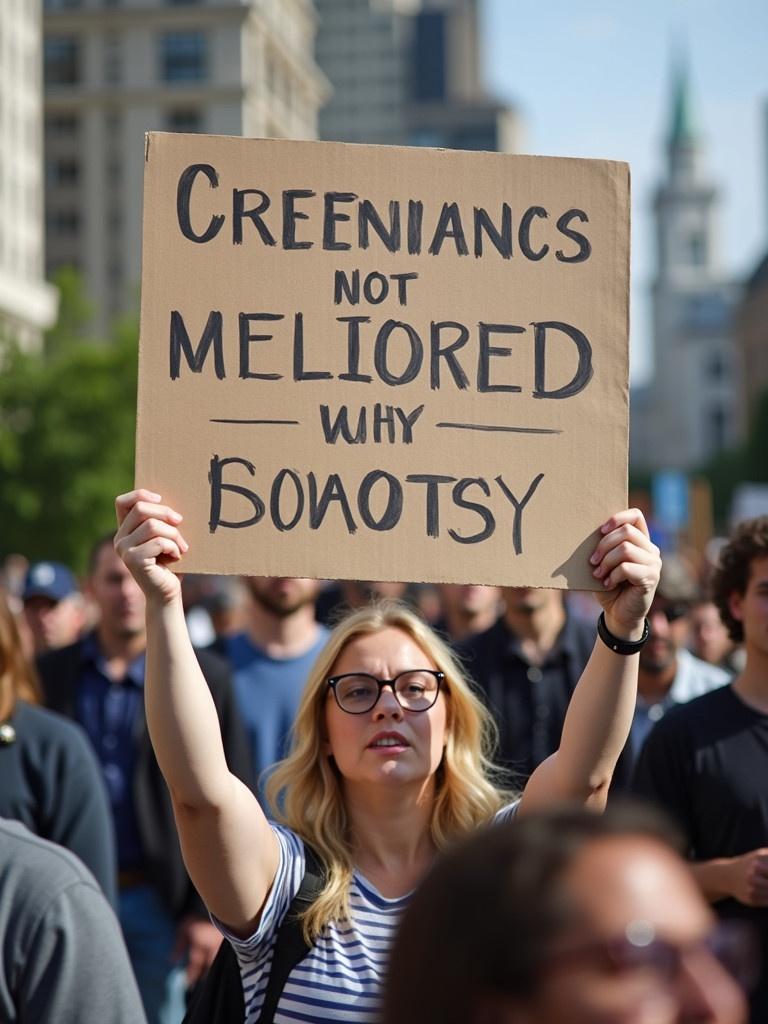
716	367
61	57
186	120
64	222
63	171
61	125
183	57
429	70
716	425
113	67
696	250
60	5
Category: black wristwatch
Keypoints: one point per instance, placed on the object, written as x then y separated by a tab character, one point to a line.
617	645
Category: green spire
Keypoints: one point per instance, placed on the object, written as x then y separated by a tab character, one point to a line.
682	128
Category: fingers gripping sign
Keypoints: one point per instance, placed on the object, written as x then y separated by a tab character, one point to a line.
628	564
149	541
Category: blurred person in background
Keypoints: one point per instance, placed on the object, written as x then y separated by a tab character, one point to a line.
339	597
53	606
49	778
271	658
62	957
565	917
669	673
527	665
706	762
213	608
709	639
99	682
13	572
466	610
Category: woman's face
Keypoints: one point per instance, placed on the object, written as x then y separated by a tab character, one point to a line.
385	744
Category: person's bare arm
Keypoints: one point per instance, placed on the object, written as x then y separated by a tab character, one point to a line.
743	878
600	712
229	848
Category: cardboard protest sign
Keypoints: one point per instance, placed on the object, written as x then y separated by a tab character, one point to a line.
378	363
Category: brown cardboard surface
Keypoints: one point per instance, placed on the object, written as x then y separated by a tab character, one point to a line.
471	470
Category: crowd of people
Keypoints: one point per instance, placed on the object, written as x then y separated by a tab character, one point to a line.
204	747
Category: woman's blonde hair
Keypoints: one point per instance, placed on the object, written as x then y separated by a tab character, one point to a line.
17	677
305	789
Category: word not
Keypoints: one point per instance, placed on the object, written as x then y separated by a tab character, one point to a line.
399	353
401	227
379	500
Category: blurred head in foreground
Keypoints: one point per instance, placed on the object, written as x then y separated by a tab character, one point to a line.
566	916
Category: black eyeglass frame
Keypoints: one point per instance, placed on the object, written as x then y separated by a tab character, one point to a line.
381	683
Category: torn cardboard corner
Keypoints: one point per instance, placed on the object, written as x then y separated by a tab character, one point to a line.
377	363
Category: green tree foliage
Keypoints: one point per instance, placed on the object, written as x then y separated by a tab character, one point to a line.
67	421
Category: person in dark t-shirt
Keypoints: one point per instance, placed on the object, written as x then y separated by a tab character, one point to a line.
706	762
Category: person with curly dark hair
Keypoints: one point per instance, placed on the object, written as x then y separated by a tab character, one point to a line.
706	762
748	546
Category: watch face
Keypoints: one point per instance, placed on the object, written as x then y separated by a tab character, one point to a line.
7	734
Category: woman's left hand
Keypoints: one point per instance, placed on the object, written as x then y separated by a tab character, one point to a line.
627	564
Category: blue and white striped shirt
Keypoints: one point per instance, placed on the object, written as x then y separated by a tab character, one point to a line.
341	977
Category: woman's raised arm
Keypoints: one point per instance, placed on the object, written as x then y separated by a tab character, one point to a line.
229	848
599	716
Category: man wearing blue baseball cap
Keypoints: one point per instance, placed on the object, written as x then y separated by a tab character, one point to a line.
53	606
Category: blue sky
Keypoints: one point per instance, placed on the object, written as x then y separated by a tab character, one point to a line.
593	78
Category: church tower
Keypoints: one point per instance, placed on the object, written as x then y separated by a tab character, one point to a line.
694	387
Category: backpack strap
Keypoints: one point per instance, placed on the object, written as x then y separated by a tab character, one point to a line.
290	945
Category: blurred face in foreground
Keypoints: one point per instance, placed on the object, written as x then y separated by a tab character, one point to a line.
638	951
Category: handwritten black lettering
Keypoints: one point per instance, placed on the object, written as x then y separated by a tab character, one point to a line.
584	371
179	342
393	510
487	350
247	339
483	511
215	479
519	506
183	194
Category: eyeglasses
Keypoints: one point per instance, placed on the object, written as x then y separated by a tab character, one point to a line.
671	612
732	943
414	690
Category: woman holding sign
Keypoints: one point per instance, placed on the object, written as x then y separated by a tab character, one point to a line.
389	764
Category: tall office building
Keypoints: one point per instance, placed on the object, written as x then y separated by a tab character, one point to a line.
690	410
27	303
408	72
115	69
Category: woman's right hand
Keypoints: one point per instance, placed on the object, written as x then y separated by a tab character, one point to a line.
148	541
